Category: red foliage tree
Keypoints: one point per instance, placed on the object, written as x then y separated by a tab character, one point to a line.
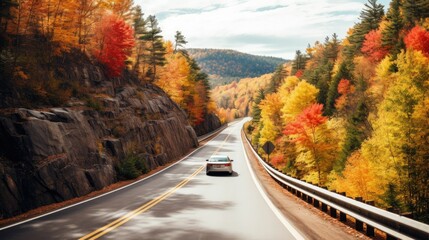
114	39
372	46
277	160
418	39
299	73
305	124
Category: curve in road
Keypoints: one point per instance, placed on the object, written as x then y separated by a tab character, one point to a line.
179	203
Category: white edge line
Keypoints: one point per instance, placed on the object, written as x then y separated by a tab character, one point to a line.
275	210
104	194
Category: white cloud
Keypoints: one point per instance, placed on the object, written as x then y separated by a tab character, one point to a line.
269	27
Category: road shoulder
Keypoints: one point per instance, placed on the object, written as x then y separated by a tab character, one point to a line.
311	222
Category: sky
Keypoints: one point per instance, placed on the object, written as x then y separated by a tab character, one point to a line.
262	27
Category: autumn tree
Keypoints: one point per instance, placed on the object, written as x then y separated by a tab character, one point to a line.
156	50
370	18
418	39
303	95
86	14
122	8
270	118
184	82
372	46
6	7
310	133
114	40
396	147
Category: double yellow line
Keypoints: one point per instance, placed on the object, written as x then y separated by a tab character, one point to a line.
120	221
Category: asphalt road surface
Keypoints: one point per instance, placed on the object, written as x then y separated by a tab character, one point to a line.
181	202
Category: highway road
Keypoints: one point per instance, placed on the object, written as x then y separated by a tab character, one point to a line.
181	202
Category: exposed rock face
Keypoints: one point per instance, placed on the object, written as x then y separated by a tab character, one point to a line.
211	123
60	153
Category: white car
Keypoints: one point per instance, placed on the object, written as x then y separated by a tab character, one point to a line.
219	163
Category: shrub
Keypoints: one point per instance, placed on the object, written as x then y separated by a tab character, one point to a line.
131	167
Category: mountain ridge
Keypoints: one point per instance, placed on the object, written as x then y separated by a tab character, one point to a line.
226	65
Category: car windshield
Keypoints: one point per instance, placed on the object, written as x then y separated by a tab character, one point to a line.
219	159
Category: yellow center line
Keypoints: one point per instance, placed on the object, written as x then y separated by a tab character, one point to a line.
120	221
224	141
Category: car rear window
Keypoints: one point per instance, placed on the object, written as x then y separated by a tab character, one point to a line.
218	159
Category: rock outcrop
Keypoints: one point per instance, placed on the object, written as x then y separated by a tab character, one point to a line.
210	124
55	154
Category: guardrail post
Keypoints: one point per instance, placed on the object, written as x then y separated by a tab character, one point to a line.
359	224
316	203
389	237
333	212
343	216
324	207
303	197
370	229
309	199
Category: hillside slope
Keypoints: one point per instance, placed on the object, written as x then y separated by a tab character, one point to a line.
224	66
52	154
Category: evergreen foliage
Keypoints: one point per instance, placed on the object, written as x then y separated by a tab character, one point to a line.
370	17
277	79
156	50
256	110
415	11
298	62
391	34
179	41
131	167
343	73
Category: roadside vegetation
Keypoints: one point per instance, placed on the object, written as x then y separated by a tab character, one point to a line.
352	114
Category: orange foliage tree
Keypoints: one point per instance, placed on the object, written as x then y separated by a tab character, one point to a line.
114	40
343	89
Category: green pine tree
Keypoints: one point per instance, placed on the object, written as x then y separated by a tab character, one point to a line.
371	17
298	62
343	73
139	26
391	34
415	10
179	41
256	110
276	80
156	50
355	134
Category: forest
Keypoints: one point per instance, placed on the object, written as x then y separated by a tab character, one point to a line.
39	36
225	66
352	114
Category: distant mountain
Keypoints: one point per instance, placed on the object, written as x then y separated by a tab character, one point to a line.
224	66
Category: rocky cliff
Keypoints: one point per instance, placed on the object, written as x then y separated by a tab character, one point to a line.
54	154
211	122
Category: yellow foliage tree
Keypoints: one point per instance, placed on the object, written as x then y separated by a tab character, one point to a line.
270	118
302	96
398	146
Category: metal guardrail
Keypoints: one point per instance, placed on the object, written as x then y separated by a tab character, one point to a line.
395	226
